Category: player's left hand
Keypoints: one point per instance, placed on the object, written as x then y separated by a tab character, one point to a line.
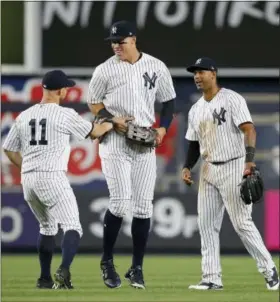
120	123
248	168
161	133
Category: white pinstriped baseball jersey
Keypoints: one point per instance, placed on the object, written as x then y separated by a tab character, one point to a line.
42	135
215	125
130	90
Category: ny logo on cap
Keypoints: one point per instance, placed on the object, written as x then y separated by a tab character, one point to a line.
114	30
198	61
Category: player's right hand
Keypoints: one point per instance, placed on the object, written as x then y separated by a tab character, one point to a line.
186	176
120	123
101	129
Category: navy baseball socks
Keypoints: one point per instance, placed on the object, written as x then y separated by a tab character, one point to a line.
45	246
140	233
112	225
69	246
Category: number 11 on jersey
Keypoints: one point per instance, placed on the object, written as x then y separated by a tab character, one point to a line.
43	124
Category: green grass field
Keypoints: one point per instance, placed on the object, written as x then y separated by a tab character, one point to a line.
167	279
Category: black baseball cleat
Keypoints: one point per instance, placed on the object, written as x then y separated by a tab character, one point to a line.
206	286
272	280
110	277
63	278
45	283
135	277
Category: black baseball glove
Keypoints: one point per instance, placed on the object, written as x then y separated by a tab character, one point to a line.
101	120
251	187
141	136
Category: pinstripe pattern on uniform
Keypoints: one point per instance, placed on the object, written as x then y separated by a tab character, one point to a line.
121	87
61	123
219	142
130	172
131	177
51	199
143	183
218	190
12	142
210	216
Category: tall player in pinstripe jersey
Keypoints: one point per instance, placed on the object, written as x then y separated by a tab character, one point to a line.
220	129
128	84
38	144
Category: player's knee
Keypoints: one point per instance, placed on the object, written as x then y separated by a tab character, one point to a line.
77	227
142	210
206	225
48	230
242	226
118	207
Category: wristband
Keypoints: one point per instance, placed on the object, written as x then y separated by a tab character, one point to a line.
250	154
104	113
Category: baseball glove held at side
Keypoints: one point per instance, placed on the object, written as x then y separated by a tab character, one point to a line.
251	187
141	136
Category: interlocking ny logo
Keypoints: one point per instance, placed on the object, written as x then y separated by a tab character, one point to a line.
114	30
220	117
151	81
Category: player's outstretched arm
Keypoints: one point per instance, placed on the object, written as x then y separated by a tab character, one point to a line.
14	157
120	123
100	129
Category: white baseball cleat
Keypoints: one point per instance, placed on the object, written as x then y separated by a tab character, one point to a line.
272	281
206	286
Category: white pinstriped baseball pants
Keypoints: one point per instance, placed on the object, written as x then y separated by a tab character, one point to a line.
219	190
131	177
52	200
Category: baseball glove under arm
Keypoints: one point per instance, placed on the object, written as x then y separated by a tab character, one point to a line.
141	136
251	187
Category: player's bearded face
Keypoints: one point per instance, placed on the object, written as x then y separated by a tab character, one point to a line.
203	79
123	47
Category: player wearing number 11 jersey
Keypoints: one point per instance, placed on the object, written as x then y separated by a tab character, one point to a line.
38	144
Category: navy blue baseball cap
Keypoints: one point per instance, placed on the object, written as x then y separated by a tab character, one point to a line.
56	79
203	64
121	30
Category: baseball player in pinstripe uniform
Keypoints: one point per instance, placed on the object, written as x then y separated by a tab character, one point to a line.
220	129
38	144
128	84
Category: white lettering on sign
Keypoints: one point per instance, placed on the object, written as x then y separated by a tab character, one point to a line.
17	224
227	13
169	219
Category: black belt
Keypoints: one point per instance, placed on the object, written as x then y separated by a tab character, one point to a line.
223	162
